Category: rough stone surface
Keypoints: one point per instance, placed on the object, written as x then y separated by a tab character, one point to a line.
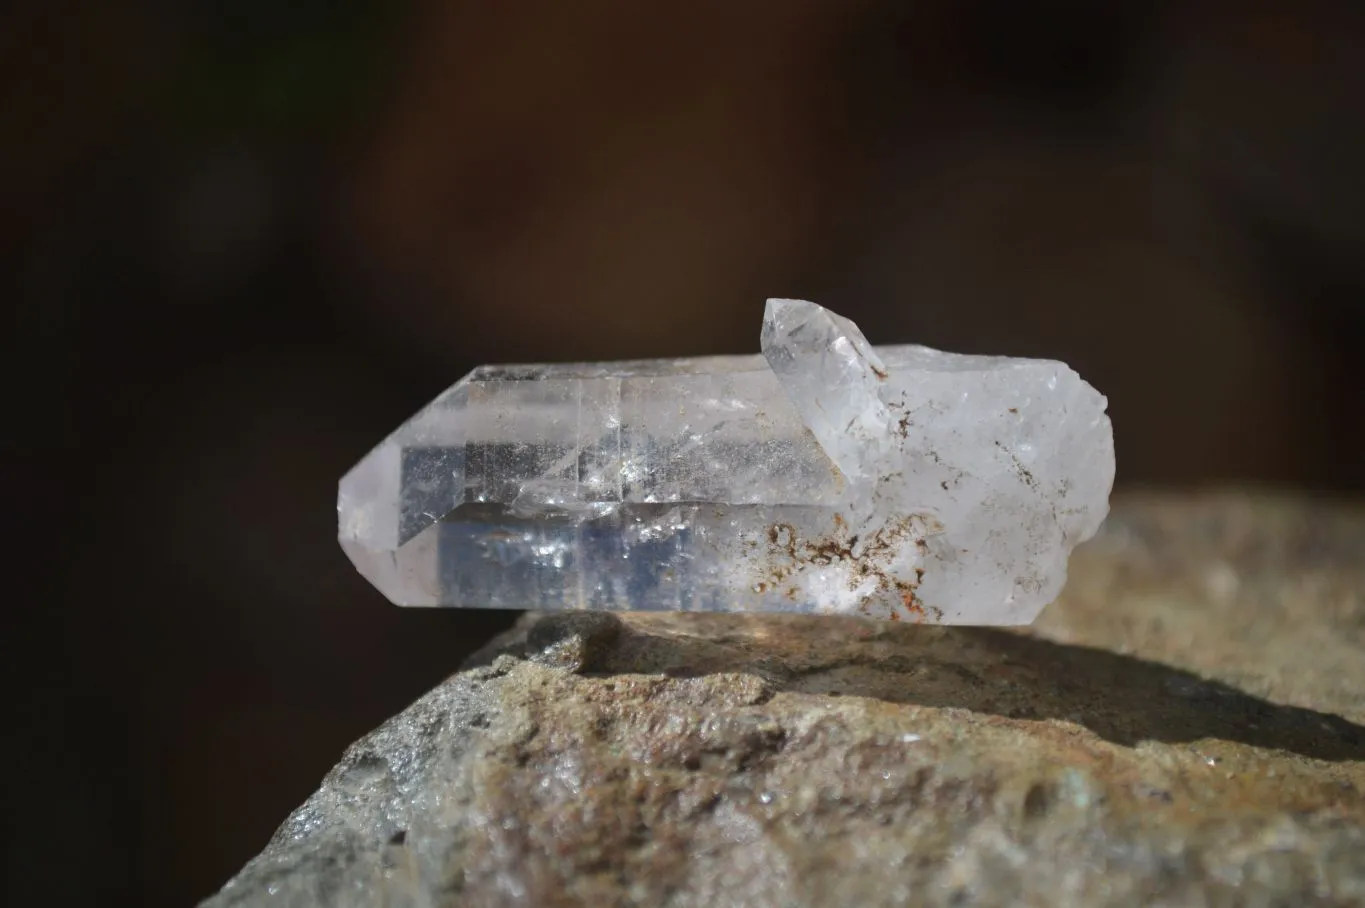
1186	726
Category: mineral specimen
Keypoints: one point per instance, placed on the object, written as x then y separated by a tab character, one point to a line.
834	477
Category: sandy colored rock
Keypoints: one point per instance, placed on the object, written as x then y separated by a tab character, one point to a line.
1186	726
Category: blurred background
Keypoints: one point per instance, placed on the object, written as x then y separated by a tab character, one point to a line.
245	239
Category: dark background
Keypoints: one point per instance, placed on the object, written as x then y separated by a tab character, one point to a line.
244	240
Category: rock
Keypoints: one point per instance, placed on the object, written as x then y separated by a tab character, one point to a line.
1186	726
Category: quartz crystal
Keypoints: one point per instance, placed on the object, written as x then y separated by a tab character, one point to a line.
826	475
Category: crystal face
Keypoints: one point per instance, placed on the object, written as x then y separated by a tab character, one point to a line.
825	475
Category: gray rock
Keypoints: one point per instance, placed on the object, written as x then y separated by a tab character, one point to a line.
1186	726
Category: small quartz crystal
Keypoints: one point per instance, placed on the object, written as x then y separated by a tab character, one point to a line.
826	475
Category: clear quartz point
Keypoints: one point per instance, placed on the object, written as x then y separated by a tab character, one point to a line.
824	476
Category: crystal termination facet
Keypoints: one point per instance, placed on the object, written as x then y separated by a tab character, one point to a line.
826	475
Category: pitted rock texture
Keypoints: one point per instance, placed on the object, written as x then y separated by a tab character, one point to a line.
1186	726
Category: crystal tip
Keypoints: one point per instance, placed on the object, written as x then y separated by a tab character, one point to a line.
785	309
